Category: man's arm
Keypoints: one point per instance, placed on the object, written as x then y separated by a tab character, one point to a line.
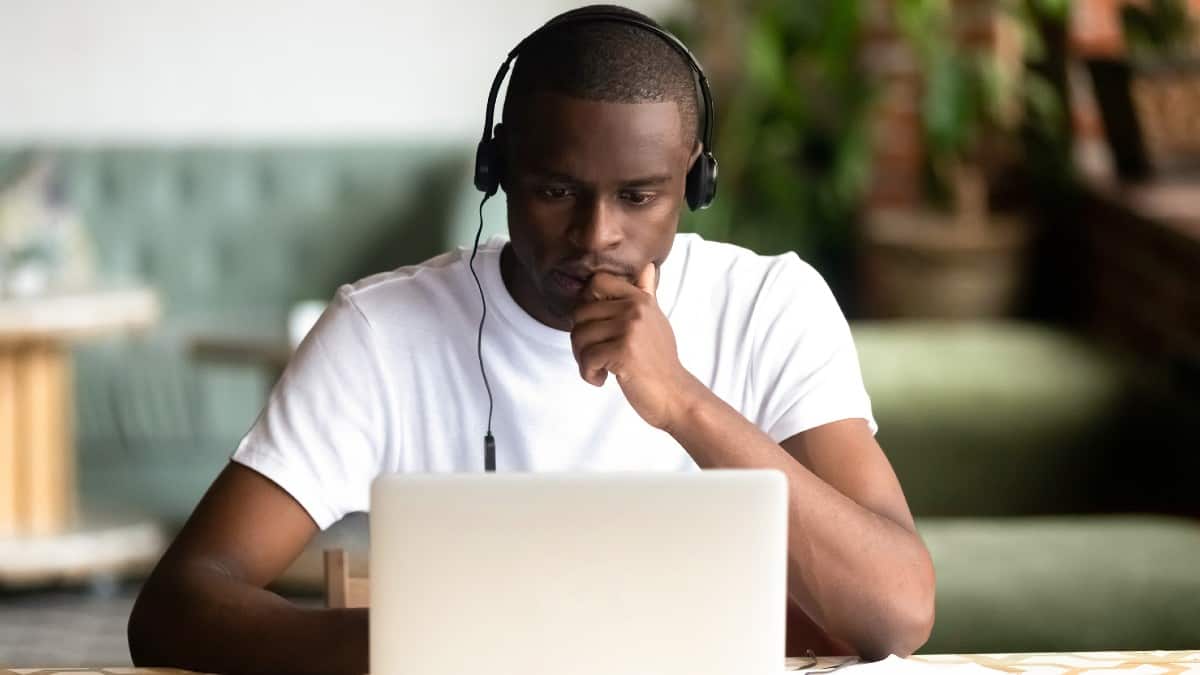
857	567
204	607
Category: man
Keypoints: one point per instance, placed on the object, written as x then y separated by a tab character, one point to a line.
612	343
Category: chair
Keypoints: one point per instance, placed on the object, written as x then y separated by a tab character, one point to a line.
342	590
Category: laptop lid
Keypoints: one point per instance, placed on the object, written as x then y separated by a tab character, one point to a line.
630	573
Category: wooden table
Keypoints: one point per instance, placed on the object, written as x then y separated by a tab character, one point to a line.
270	354
38	501
1134	265
1063	663
1074	663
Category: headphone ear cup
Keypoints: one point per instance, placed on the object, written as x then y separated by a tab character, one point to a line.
488	163
702	182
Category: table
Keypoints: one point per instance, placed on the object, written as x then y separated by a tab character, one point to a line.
38	503
1136	259
263	345
1062	663
1169	202
272	355
1076	663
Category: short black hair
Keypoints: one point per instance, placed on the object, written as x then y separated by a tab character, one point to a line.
608	61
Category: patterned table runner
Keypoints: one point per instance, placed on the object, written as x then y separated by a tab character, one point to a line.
1064	663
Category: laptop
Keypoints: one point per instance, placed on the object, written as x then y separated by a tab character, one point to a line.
580	574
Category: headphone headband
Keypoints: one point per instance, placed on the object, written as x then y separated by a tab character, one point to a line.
588	16
701	181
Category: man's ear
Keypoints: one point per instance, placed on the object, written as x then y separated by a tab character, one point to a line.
696	150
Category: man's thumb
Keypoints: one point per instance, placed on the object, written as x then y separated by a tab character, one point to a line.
648	279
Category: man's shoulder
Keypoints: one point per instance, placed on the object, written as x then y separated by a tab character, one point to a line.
738	268
408	277
429	287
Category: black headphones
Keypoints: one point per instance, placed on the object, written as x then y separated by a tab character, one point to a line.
701	177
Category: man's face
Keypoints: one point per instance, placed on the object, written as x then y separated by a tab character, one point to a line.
591	186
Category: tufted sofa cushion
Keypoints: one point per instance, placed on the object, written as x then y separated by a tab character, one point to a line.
1007	418
1046	583
257	226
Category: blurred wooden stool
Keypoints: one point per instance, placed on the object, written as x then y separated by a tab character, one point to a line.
37	445
342	590
45	536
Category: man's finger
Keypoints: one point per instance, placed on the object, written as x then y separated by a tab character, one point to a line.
605	286
599	310
648	279
589	333
596	360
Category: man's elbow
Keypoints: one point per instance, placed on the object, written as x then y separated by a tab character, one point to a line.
907	629
908	633
137	631
149	629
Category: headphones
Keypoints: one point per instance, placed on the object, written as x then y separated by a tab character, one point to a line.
702	176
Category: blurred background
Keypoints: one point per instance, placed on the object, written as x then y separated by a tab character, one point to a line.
1004	195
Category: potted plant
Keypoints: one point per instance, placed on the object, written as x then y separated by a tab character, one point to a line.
792	125
955	256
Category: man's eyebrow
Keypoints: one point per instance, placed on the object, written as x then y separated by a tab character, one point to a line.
647	181
653	180
549	174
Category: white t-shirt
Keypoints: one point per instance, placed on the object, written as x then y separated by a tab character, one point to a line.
388	379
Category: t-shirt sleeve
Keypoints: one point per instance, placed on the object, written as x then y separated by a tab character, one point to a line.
804	364
322	434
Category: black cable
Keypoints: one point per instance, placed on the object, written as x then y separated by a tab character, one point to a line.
489	442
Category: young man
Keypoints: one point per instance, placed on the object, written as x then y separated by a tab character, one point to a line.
612	343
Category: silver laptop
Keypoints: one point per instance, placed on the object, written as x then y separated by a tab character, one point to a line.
578	574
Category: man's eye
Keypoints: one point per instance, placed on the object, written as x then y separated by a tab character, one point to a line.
638	198
554	192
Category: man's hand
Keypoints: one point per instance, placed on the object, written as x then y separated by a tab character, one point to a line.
620	329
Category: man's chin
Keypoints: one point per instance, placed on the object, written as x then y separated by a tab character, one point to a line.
561	306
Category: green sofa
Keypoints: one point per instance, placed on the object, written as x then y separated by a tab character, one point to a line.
1040	466
1027	453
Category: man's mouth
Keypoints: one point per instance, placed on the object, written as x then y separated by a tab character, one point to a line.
567	283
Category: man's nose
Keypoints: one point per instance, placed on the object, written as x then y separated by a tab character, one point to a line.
597	226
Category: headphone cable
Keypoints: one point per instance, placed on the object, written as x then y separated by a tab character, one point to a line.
489	442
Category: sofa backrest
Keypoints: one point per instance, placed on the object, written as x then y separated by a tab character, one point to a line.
261	226
1006	418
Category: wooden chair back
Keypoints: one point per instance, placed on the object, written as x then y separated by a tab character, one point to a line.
341	589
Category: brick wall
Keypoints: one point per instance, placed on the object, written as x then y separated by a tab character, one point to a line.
896	128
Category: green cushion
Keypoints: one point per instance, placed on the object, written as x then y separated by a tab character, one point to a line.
994	417
1065	583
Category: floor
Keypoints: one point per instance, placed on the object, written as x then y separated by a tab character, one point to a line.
85	626
68	627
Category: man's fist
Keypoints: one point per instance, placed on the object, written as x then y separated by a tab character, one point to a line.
620	329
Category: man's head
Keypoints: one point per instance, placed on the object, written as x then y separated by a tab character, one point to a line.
600	127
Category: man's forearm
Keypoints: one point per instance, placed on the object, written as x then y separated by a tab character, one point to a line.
210	623
865	579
